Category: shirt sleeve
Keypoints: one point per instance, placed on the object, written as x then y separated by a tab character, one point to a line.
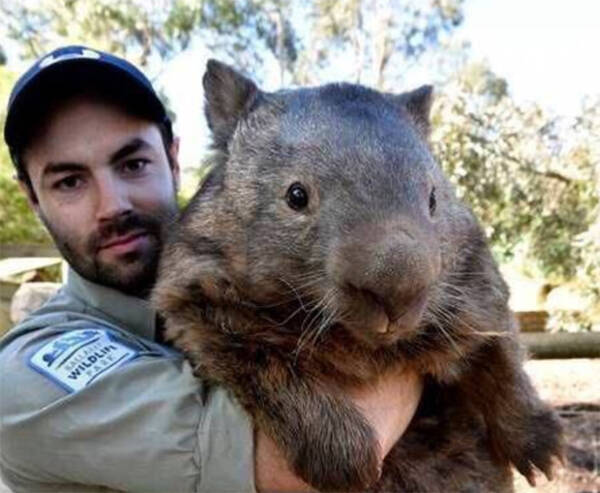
147	425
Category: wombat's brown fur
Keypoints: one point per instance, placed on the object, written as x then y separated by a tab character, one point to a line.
327	247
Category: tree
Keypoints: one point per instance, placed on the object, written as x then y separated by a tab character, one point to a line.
531	177
382	37
19	224
587	128
134	28
148	32
304	39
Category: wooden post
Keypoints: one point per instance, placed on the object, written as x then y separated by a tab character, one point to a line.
560	345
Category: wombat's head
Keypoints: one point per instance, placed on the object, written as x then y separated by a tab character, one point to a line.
328	199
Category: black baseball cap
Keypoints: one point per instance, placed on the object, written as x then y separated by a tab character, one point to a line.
70	70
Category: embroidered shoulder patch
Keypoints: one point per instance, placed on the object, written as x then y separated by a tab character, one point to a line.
77	358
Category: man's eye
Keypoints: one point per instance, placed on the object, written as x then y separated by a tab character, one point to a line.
68	183
134	165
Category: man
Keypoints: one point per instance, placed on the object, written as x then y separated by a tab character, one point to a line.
90	400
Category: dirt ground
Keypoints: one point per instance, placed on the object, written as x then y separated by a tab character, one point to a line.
573	387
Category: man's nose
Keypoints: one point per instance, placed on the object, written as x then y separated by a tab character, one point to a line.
113	198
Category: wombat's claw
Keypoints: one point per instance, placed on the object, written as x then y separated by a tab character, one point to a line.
558	460
531	468
532	475
538	447
526	469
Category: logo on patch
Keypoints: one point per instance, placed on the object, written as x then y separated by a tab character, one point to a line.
67	342
77	358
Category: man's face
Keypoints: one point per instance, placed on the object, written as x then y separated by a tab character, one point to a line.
105	190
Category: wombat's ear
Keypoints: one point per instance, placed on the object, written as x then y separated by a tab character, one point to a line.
418	104
228	95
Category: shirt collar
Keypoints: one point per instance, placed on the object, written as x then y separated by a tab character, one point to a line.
129	312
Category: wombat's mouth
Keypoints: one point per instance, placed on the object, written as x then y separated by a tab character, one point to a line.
374	322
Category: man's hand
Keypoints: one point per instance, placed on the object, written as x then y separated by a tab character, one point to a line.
388	405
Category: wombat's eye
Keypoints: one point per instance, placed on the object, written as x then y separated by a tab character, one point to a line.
432	201
297	196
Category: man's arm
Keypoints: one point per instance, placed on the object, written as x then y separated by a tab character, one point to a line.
388	406
148	425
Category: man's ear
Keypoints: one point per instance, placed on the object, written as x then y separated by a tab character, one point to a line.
174	162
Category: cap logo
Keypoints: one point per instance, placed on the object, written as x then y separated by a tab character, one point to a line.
84	53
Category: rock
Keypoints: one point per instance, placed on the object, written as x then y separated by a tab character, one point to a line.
29	297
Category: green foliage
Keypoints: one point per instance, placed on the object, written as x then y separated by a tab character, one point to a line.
409	28
19	224
530	177
144	31
587	128
247	33
378	40
134	28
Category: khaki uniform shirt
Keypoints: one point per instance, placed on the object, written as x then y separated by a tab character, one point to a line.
89	402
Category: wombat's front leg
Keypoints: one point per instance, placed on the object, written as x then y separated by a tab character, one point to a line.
326	440
522	429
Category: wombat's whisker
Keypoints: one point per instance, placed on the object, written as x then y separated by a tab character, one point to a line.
326	321
442	312
311	288
307	282
318	306
325	324
462	274
315	314
449	338
307	307
316	278
308	324
450	319
441	319
293	290
490	333
256	306
449	289
311	274
291	316
304	333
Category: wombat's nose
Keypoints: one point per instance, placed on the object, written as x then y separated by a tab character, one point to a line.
388	266
399	307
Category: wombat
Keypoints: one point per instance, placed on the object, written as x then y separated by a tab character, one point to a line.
326	247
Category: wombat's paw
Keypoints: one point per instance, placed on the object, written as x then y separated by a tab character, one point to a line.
537	444
342	456
338	471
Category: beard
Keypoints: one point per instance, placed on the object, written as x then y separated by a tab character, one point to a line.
133	273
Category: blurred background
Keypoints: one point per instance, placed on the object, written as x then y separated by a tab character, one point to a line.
516	119
516	125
